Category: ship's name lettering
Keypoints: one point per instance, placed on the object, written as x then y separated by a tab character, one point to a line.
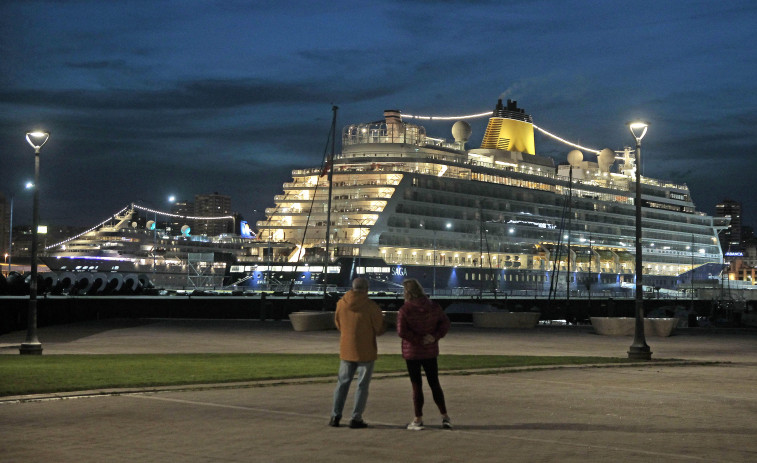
399	272
86	268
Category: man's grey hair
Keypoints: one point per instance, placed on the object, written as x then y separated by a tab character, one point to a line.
360	284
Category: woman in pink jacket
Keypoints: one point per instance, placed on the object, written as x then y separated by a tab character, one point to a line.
421	322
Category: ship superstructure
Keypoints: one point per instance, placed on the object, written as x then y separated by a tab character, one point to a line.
498	218
134	244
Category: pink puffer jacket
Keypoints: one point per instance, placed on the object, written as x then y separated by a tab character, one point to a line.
416	319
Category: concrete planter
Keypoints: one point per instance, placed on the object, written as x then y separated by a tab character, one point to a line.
625	326
505	319
312	321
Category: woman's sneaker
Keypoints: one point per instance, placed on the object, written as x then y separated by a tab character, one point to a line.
446	423
415	425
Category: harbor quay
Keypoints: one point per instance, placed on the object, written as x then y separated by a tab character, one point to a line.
54	310
694	401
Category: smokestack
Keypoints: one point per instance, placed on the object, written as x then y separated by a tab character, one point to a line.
393	116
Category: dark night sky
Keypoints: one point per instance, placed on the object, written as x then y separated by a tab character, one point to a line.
149	98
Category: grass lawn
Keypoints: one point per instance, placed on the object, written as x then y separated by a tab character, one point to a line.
57	373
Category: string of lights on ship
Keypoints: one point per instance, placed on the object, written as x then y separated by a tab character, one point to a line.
142	208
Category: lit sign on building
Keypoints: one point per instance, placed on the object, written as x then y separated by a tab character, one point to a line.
734	254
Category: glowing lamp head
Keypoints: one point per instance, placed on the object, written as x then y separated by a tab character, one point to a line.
36	139
638	129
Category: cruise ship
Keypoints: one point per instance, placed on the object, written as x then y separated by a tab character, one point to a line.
396	203
133	250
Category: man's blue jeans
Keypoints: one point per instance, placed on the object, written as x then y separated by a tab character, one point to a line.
346	373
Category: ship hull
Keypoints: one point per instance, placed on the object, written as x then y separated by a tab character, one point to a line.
452	281
155	276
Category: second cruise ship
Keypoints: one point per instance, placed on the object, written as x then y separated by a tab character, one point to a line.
396	203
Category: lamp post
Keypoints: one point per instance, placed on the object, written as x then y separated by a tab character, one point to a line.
32	346
10	240
447	226
154	239
691	279
639	350
433	287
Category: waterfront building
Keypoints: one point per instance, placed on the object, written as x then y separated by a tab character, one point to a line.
212	205
730	238
182	208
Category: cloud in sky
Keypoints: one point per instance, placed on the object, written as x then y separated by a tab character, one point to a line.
145	98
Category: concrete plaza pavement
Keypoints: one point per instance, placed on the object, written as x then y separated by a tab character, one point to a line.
702	409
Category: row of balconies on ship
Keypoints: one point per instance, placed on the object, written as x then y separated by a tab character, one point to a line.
530	263
668	246
679	192
394	164
274	211
608	188
383	196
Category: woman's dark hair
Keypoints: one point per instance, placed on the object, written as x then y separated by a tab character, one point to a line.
413	289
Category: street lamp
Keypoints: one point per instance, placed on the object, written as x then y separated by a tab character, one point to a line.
433	287
32	345
639	350
9	254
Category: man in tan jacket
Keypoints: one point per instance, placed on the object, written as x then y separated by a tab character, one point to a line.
359	320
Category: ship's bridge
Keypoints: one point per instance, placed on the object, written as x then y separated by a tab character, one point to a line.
392	130
381	132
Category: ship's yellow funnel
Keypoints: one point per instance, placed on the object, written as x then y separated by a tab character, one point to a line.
509	129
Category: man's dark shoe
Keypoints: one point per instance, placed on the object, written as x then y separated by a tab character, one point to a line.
358	424
334	421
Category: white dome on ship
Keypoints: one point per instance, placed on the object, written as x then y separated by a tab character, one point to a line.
575	157
605	159
461	131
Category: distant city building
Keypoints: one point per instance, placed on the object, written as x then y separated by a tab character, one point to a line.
750	254
738	243
739	270
185	208
747	235
730	238
22	239
212	205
